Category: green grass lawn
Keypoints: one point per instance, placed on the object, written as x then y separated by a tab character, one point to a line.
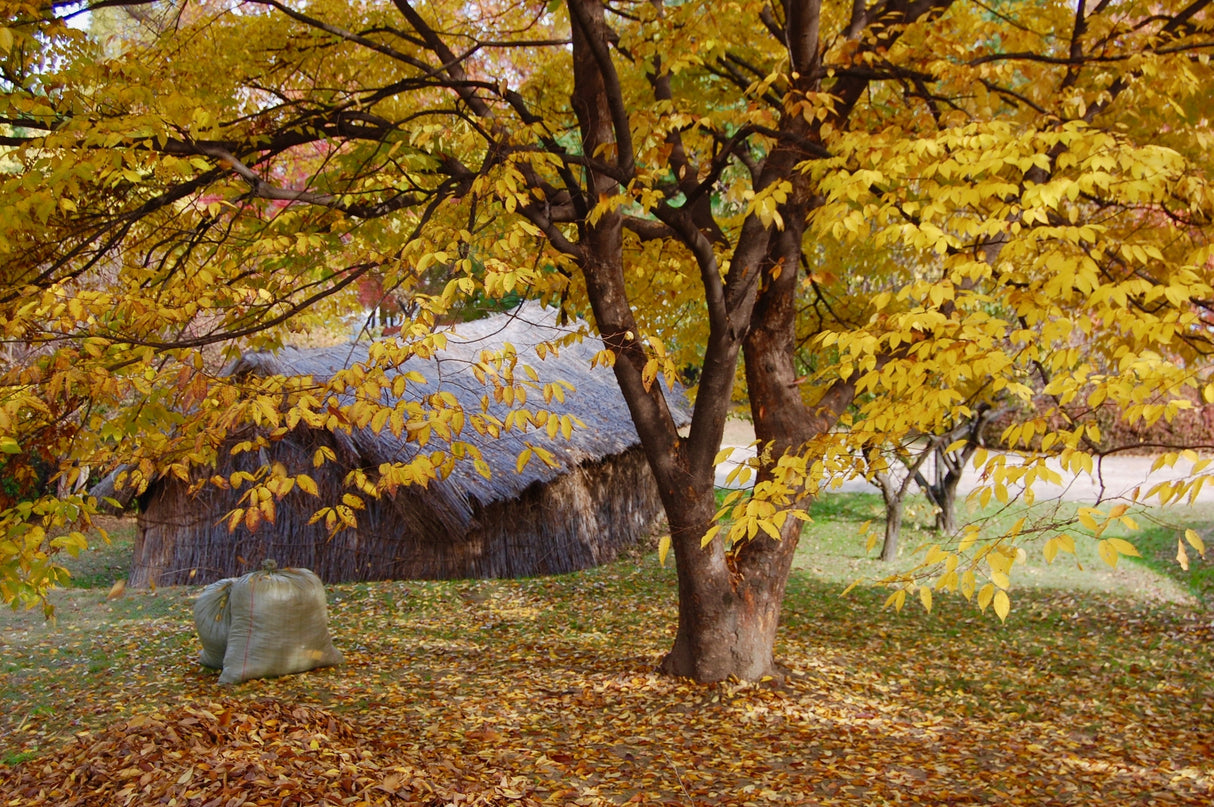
543	691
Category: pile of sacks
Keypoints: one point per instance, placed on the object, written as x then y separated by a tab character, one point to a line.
267	623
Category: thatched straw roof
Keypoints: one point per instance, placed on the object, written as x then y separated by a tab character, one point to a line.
595	400
597	497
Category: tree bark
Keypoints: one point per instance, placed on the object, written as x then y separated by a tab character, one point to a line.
729	602
714	631
894	499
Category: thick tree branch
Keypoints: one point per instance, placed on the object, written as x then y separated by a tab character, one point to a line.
625	161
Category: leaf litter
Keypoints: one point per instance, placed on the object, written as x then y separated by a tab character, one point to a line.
541	692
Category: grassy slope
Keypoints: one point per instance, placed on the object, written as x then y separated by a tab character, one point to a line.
1096	691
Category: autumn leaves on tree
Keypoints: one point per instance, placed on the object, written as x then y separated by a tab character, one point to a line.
873	218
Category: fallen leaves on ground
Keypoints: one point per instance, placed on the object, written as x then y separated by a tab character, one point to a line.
540	692
232	752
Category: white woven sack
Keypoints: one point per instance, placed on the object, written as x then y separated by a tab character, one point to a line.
279	626
213	621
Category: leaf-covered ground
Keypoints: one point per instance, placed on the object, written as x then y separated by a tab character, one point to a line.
544	692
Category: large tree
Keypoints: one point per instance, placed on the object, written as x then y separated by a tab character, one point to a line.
706	180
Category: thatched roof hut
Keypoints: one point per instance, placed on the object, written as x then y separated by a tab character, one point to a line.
598	497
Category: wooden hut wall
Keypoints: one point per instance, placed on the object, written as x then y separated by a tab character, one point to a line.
184	537
583	519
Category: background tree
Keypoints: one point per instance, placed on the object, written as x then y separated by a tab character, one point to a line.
669	168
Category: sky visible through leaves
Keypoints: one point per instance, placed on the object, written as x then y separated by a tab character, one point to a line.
544	692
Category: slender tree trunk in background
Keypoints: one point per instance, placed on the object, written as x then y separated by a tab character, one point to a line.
894	508
946	495
950	466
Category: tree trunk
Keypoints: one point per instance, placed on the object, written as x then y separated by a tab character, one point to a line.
727	622
950	466
894	507
729	602
946	506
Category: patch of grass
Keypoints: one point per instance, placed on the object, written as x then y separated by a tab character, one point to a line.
1158	542
833	546
17	758
104	562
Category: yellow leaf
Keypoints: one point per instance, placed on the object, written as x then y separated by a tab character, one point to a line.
1002	605
1051	550
1108	553
116	590
985	595
968	581
1195	541
1124	547
897	599
663	549
1182	557
925	596
523	458
999	562
770	529
723	455
307	484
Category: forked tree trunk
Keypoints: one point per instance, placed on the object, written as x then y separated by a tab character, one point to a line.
894	492
729	604
950	466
